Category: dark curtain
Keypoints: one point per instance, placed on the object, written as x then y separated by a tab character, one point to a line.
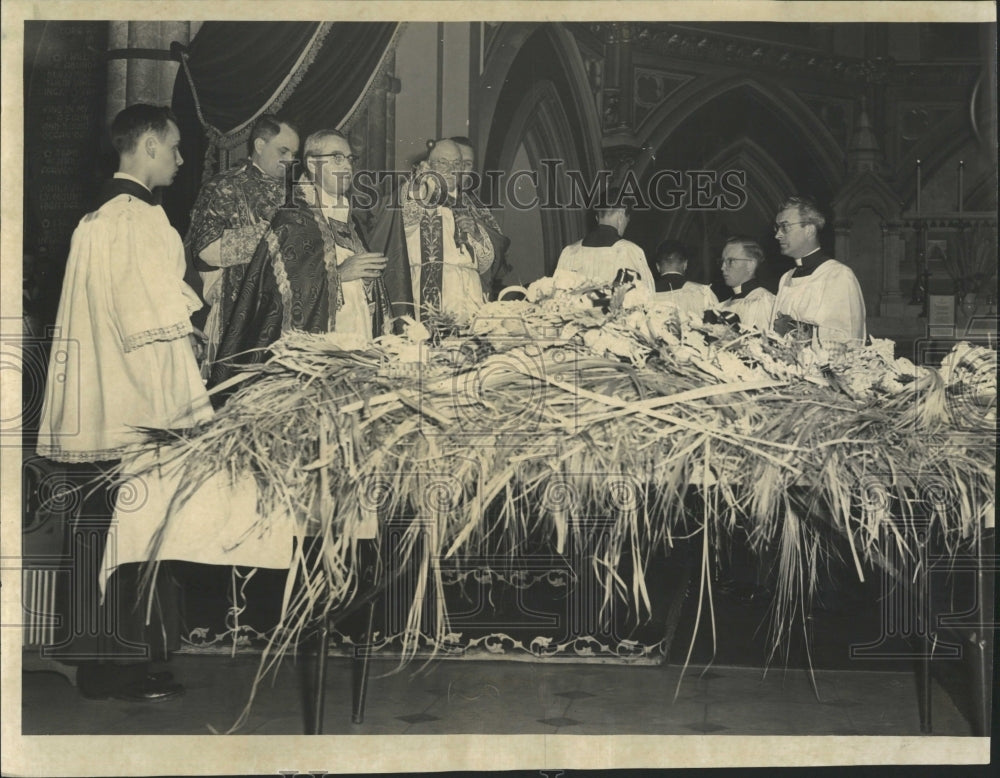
237	67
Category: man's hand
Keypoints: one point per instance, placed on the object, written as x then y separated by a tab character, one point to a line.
197	345
784	324
425	183
368	265
464	222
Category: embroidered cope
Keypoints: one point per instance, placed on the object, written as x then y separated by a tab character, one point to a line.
452	249
229	218
292	283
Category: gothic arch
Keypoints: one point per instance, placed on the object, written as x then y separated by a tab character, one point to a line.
684	104
541	126
505	49
933	150
867	190
767	183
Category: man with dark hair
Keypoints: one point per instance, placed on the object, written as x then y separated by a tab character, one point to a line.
311	270
672	259
821	297
231	214
672	285
136	121
741	256
603	252
265	128
122	362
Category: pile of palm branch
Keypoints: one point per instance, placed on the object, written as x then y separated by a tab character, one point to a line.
576	414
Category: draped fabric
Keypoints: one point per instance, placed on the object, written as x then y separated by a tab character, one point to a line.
385	233
292	282
314	73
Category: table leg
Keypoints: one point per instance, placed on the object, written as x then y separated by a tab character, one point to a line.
981	638
685	571
923	673
360	691
319	700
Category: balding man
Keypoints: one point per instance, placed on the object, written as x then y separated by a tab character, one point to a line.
451	243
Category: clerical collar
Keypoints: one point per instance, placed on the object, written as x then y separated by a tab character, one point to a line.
807	264
123	183
741	291
603	236
339	211
671	273
259	168
315	197
129	177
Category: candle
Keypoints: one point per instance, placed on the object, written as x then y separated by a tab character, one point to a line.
918	186
961	173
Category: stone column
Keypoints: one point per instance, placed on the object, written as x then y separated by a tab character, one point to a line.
618	136
842	238
140	68
891	300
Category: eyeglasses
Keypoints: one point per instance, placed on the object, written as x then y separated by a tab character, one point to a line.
446	165
339	158
783	226
726	262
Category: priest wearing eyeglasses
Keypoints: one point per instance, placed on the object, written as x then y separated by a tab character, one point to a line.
820	298
452	243
311	270
741	257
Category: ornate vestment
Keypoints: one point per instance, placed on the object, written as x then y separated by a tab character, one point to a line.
234	209
451	267
293	282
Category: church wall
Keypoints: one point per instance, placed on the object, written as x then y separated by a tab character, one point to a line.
432	67
65	154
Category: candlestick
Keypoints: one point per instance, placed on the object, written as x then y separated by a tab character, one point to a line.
961	172
918	186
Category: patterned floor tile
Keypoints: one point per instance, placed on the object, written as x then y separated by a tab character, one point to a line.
509	698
